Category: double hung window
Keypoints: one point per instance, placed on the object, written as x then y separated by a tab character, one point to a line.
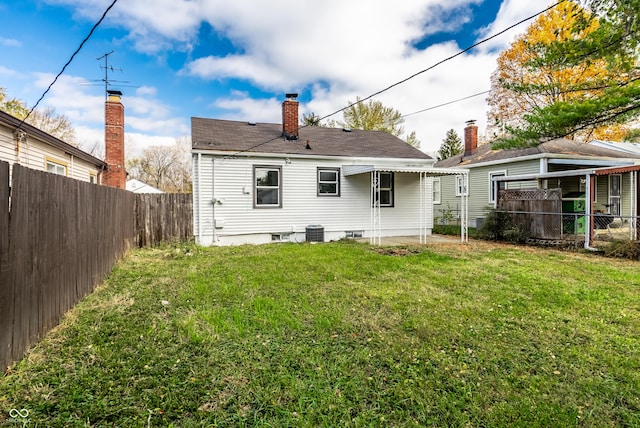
267	186
328	181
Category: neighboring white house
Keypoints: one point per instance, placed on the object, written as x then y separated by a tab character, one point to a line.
137	186
547	165
26	145
265	182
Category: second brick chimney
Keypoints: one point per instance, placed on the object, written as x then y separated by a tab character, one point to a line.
290	117
470	138
115	175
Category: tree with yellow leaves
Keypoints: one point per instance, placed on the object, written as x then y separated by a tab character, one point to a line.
542	72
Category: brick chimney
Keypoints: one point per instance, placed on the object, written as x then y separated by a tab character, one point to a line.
290	117
470	138
115	175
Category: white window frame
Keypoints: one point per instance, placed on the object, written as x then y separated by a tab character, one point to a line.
437	190
257	188
390	189
617	200
336	182
59	167
493	187
461	189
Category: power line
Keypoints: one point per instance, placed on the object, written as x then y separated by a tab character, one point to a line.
445	104
418	73
69	61
444	60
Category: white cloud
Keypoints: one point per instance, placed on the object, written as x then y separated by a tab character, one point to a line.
336	49
145	91
12	43
7	71
511	12
148	121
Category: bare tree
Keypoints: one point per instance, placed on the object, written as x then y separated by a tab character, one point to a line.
54	124
46	120
167	168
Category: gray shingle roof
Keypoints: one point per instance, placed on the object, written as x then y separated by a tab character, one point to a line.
557	147
234	136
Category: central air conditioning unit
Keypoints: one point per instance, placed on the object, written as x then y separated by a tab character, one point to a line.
314	233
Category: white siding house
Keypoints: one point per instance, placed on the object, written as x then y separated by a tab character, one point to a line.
23	144
486	164
137	186
258	183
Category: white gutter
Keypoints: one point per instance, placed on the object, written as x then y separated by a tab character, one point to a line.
551	158
420	162
603	163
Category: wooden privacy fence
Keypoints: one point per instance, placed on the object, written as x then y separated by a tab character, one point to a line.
530	209
163	217
60	237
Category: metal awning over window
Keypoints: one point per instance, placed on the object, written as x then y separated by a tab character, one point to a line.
348	170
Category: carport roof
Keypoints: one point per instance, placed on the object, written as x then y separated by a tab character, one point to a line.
569	173
348	170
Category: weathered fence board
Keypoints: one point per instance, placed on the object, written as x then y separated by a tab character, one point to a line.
60	237
63	238
163	217
6	286
528	208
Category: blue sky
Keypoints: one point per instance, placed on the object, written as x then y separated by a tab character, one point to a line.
174	59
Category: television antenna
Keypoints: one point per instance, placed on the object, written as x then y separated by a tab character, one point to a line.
109	68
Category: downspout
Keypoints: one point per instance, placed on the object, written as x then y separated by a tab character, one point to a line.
199	193
633	206
464	224
422	203
213	198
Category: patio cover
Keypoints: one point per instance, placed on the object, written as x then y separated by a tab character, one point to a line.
588	173
425	173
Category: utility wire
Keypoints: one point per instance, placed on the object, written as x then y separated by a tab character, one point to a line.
416	74
445	104
445	60
68	62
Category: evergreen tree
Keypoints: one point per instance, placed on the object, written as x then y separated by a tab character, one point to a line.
451	145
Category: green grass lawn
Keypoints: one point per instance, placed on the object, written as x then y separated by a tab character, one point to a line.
342	334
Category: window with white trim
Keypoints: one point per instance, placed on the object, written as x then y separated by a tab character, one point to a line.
328	181
495	186
384	189
267	183
461	188
437	190
56	167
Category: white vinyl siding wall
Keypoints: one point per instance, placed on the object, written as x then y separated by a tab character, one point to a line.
237	218
479	188
34	154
